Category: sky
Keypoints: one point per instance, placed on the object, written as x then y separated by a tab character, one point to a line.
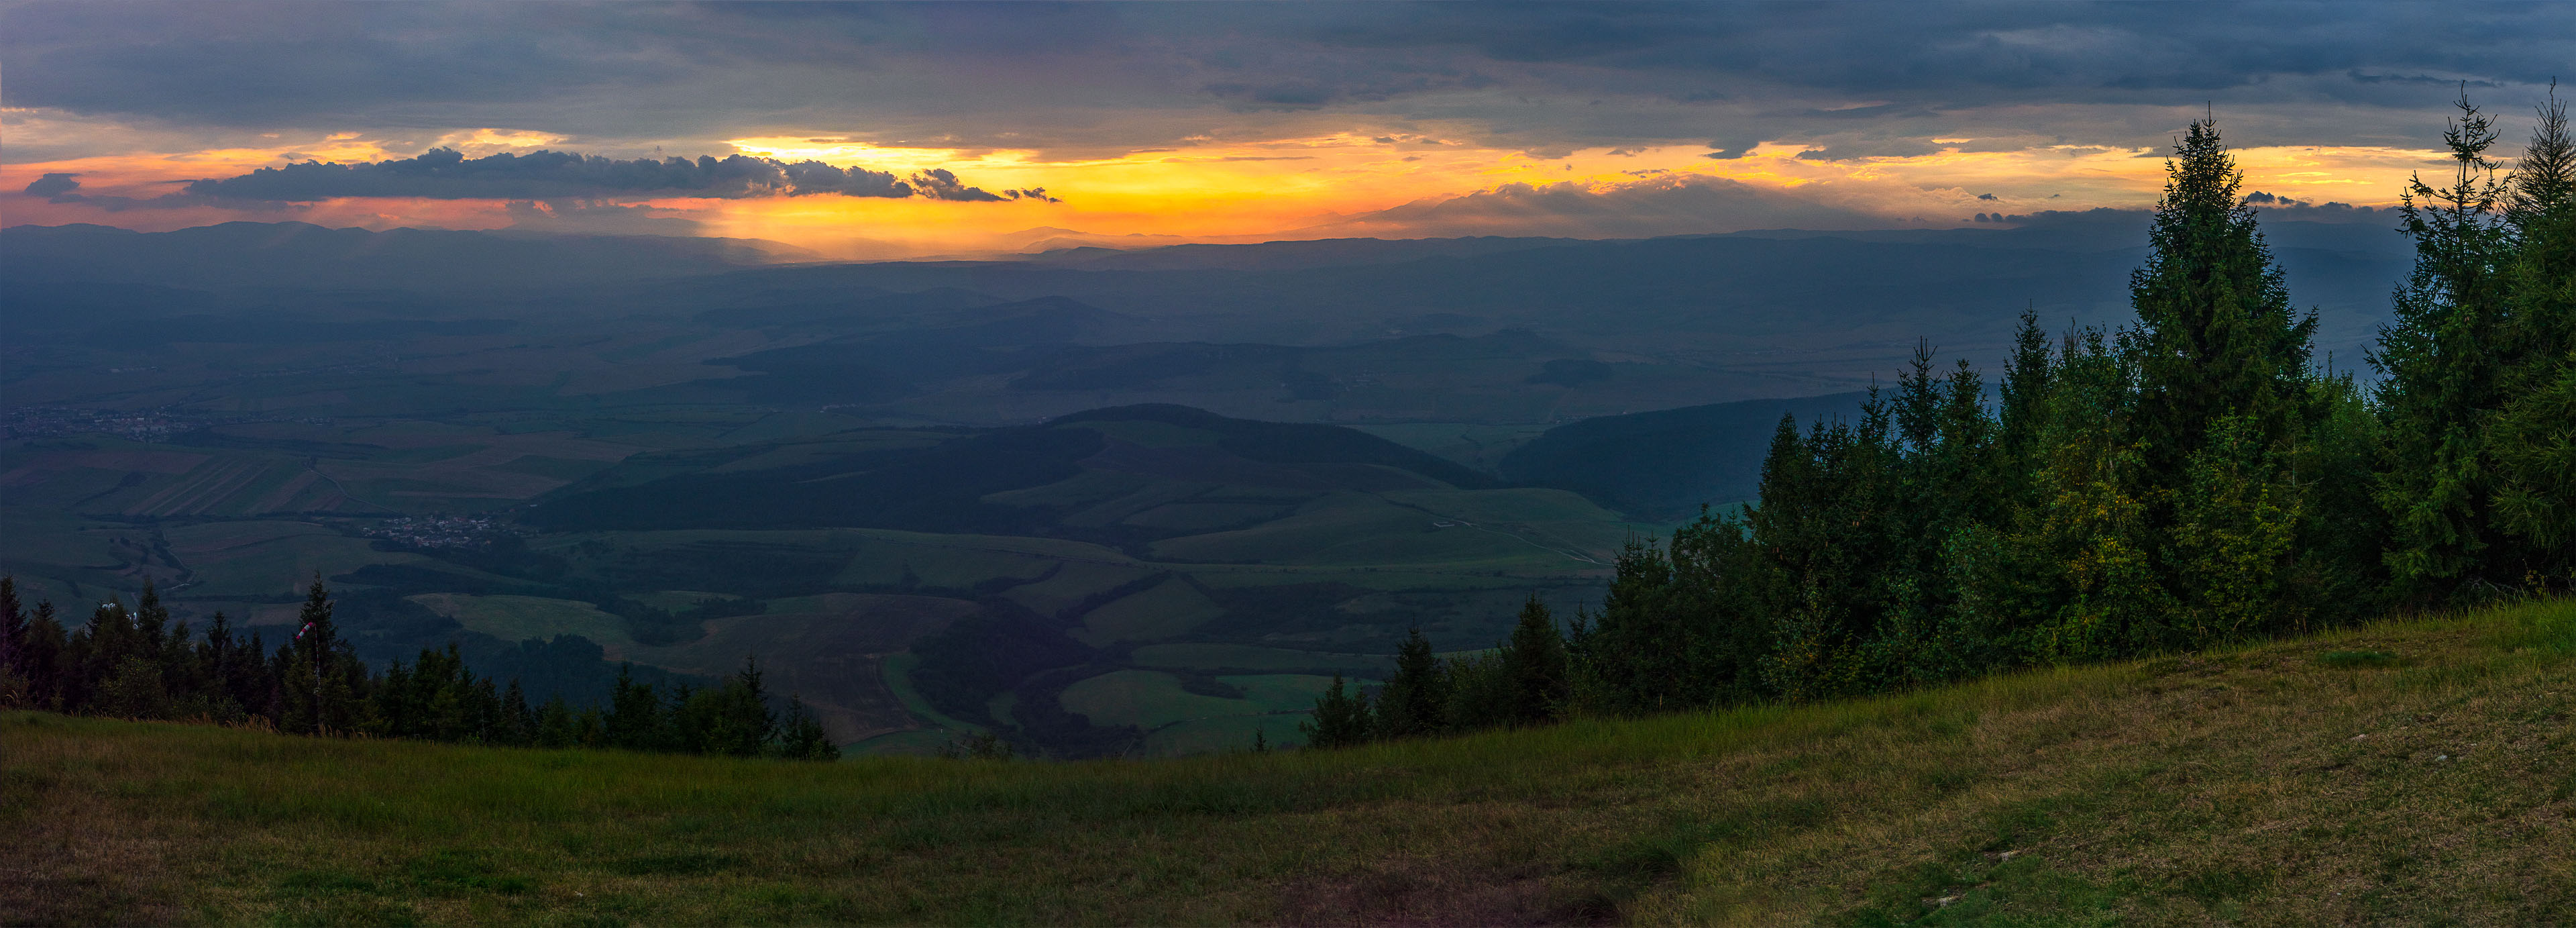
904	130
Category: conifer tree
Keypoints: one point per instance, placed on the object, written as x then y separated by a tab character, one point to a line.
483	713
2023	414
1534	665
2534	433
133	689
2216	335
1415	700
320	680
2338	572
2224	395
1341	718
1719	596
733	719
2237	520
44	661
518	726
802	736
1480	690
16	689
2440	366
91	654
2091	539
399	709
634	719
556	727
247	678
1828	527
1635	653
152	636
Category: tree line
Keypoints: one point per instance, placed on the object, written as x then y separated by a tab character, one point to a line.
136	663
2193	478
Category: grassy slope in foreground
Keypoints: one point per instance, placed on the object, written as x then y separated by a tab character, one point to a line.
2417	772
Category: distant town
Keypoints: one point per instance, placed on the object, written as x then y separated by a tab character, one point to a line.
143	425
438	531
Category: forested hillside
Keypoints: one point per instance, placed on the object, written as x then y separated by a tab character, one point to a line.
2194	478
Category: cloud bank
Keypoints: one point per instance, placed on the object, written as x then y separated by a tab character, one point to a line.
1664	204
446	174
1110	77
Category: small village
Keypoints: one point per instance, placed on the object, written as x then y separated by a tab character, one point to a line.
438	531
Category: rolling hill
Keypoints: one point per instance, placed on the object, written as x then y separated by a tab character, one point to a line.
1052	480
1071	585
1664	465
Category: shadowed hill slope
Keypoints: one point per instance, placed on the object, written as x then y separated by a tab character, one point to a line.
951	485
1293	442
1665	464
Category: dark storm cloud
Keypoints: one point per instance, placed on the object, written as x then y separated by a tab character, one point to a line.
446	174
1127	76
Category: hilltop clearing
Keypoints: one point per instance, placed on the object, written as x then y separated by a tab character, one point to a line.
2414	772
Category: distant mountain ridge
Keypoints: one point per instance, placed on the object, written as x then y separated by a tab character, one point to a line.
296	254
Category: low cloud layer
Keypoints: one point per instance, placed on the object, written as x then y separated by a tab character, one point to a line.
1659	205
446	174
601	218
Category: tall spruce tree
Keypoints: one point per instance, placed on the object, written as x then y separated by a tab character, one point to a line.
1636	653
1415	700
1828	527
321	682
2216	335
801	736
1535	667
2440	367
733	719
16	689
518	720
1341	718
1720	596
2225	396
2090	541
44	660
2533	438
1946	482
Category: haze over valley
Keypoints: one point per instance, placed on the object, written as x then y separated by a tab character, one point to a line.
227	410
1830	462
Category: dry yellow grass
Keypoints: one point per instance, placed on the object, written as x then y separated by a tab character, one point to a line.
2406	773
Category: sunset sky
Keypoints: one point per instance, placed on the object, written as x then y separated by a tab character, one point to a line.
827	126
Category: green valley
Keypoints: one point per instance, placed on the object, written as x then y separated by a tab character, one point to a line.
1129	544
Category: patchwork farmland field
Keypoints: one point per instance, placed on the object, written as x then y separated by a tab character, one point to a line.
1184	580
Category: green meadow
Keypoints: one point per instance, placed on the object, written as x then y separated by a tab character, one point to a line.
2410	772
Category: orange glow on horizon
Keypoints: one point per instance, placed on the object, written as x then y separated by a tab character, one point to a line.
1308	187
